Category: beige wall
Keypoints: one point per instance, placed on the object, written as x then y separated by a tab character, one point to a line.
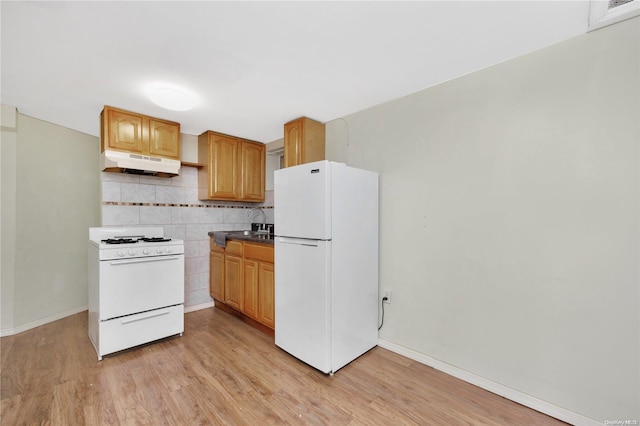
55	179
273	161
509	227
7	214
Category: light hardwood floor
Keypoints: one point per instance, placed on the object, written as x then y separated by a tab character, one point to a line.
221	371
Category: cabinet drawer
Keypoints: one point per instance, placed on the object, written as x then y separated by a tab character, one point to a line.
234	247
133	330
259	252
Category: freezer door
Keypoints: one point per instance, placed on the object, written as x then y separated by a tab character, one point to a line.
302	295
302	201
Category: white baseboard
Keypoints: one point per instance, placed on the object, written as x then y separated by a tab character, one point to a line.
41	321
504	391
193	308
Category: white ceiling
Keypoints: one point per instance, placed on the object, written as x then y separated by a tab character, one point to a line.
257	65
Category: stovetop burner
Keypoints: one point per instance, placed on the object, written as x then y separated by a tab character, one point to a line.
137	240
154	239
119	241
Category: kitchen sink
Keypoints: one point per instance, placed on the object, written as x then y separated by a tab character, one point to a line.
250	235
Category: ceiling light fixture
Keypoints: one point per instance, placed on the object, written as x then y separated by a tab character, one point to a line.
171	97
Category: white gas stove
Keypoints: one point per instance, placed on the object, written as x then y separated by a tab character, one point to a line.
125	243
136	287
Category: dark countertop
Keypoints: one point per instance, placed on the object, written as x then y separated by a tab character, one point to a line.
237	235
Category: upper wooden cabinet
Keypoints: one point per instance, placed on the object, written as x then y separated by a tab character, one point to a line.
132	132
303	141
253	170
233	168
121	130
219	179
164	138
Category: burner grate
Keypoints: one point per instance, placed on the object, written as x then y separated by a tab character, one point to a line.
136	240
154	239
119	241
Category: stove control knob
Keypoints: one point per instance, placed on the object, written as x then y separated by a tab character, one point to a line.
131	252
167	250
159	250
121	254
145	251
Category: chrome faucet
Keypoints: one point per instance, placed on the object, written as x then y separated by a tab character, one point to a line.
251	211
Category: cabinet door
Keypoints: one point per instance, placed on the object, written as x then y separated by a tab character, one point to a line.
251	288
253	171
293	143
223	167
304	142
124	131
266	312
233	285
164	139
216	275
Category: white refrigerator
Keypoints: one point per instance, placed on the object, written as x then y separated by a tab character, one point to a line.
326	263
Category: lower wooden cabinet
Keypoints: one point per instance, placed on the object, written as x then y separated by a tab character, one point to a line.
242	277
266	292
251	288
233	282
216	271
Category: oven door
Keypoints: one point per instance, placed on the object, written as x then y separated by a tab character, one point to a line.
129	286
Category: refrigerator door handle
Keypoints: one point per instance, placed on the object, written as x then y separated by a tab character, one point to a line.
298	241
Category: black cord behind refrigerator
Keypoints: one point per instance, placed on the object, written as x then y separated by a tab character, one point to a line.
384	299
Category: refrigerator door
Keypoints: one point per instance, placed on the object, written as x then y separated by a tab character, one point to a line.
302	300
302	200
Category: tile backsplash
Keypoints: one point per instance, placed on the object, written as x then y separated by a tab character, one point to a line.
173	204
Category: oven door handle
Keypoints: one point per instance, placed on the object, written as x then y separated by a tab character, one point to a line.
143	260
152	314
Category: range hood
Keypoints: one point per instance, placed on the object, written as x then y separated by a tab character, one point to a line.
126	162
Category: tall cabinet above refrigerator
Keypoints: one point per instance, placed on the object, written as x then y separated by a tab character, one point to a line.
326	263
